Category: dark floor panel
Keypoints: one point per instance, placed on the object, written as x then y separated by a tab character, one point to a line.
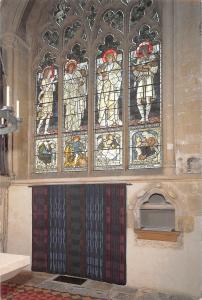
69	279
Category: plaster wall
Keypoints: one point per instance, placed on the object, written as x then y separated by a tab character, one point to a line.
164	267
156	265
20	221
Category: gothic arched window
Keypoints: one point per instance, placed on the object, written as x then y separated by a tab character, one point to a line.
98	88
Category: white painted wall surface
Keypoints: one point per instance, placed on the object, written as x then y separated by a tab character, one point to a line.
165	268
20	220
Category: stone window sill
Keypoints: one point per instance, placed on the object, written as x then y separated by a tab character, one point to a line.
168	236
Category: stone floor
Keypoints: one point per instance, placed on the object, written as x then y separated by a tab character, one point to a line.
93	288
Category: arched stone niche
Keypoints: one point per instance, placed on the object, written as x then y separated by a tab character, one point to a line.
183	222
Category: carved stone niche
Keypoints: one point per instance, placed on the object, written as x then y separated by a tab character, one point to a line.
156	213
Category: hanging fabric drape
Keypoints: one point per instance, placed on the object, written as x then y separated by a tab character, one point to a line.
80	230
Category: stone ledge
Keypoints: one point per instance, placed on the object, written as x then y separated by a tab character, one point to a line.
168	236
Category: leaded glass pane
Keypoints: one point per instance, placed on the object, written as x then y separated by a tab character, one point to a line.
46	155
138	10
75	114
47	100
114	19
108	106
145	148
156	16
61	11
145	100
75	152
75	95
91	16
145	83
109	89
71	31
108	150
51	38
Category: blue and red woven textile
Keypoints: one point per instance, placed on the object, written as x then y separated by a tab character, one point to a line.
80	230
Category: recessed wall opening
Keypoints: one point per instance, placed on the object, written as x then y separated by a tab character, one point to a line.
157	214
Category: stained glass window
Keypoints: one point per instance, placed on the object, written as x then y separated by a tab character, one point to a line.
51	38
46	114
108	105
71	31
144	104
98	88
75	115
114	19
61	10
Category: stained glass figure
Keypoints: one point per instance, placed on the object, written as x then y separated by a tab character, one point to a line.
91	16
145	148
75	152
114	19
46	155
145	78
61	11
145	68
75	93
138	10
51	38
108	150
71	31
109	79
47	86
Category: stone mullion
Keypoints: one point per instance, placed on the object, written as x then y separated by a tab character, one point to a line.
125	96
60	118
91	105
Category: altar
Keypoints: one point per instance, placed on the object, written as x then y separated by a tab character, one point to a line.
11	264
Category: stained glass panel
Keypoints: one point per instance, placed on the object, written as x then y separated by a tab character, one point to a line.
71	31
108	153
75	152
145	95
46	154
145	84
138	10
109	89
61	11
114	19
108	105
51	38
145	148
91	16
47	100
75	95
75	114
